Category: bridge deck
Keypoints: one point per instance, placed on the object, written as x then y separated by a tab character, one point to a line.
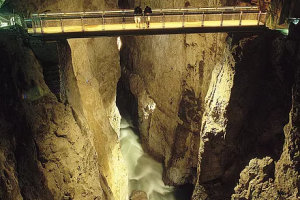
110	23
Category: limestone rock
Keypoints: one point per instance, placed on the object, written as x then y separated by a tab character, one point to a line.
138	195
90	71
55	155
256	180
95	72
9	183
171	74
33	6
260	180
170	95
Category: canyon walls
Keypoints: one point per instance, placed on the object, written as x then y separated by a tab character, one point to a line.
230	92
220	111
88	79
169	76
245	114
49	155
269	178
95	72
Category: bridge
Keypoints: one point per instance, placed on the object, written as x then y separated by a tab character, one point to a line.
163	21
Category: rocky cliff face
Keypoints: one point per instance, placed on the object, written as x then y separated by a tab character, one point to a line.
245	115
214	88
207	105
49	154
95	72
264	178
89	75
169	76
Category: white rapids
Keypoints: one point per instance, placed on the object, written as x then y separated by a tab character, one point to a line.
144	173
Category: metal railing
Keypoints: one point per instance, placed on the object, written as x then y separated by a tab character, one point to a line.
47	23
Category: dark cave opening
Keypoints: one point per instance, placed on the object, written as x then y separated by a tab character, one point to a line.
126	102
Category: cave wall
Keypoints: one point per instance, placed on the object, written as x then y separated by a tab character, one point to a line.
230	92
170	93
246	109
96	78
195	113
50	155
170	76
89	74
269	178
34	6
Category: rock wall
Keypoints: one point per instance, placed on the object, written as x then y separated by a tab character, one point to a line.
34	6
210	88
90	71
244	113
49	155
170	76
170	93
207	105
95	72
264	178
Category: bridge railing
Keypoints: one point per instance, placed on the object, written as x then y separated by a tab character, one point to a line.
48	23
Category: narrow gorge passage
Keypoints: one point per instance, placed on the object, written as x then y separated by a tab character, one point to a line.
144	173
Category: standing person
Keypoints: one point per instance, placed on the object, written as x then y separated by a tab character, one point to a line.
137	16
147	13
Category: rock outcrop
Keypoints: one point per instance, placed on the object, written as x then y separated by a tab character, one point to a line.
206	105
51	155
264	179
89	71
224	95
95	72
138	195
245	114
256	181
169	76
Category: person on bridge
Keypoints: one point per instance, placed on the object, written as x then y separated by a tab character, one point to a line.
147	13
137	16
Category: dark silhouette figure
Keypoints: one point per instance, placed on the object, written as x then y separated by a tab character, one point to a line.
137	16
147	13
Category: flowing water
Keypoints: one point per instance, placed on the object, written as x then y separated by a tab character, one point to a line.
144	173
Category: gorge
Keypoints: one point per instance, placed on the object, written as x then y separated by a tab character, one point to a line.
209	116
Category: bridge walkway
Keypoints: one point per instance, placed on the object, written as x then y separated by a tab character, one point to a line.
163	21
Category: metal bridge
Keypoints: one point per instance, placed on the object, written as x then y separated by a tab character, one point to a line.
163	21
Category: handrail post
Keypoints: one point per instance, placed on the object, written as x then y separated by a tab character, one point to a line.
163	18
82	22
33	24
41	23
183	19
258	18
123	20
62	25
103	21
222	19
241	18
202	19
144	21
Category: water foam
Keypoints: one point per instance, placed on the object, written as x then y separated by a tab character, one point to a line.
144	173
